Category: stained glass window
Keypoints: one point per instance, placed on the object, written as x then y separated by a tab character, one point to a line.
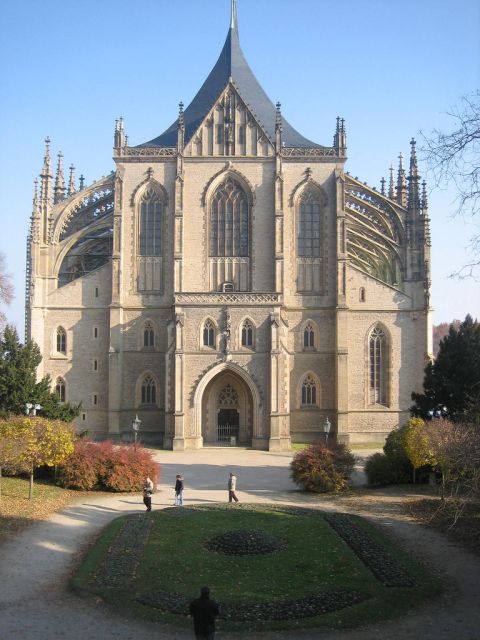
309	226
229	221
309	392
61	340
378	366
150	237
149	390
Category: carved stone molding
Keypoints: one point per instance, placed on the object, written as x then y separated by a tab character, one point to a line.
211	299
303	152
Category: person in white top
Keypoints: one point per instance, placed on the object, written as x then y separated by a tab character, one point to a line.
232	486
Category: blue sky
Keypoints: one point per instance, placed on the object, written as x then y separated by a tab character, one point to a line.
391	69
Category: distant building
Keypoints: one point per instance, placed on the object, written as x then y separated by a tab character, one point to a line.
230	283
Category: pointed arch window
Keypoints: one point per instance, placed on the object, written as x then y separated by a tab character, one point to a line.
148	335
60	389
309	392
309	226
61	340
362	296
149	390
208	334
247	334
308	337
378	363
229	221
150	225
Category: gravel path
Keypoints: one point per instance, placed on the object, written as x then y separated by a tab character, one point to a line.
35	567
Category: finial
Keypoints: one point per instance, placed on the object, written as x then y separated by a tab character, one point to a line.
181	115
391	183
382	186
46	158
424	195
71	181
35	196
278	116
82	182
233	19
59	190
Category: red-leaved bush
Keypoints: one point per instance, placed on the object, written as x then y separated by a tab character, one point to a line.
108	467
323	469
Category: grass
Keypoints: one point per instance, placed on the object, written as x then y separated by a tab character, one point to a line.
17	511
176	560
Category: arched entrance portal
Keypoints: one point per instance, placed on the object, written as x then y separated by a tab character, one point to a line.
227	411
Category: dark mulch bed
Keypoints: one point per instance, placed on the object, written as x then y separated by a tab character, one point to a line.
465	531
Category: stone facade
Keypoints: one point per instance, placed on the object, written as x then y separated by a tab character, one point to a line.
236	285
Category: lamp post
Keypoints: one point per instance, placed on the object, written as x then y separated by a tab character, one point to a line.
326	429
32	407
136	428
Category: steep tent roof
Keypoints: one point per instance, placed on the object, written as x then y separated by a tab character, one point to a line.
231	66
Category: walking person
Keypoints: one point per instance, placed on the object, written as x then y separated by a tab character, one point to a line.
147	493
204	611
232	486
179	491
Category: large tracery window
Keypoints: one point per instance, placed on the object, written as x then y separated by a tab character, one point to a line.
229	221
149	390
150	229
309	226
309	392
378	361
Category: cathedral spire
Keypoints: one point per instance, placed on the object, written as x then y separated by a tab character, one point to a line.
59	190
71	181
233	19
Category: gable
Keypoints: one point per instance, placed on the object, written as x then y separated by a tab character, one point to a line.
229	129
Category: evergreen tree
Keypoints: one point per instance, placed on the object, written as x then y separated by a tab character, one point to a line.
18	380
453	379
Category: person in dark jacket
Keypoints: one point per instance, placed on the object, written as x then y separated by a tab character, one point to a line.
204	611
179	491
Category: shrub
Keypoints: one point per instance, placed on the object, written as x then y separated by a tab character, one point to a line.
104	466
380	469
323	469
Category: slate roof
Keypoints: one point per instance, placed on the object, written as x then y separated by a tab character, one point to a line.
231	66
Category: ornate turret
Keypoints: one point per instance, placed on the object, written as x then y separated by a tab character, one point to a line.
181	128
59	190
35	218
119	135
401	182
71	181
340	138
278	127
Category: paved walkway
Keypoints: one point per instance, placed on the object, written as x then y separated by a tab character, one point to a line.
35	567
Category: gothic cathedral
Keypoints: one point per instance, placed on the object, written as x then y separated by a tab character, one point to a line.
230	283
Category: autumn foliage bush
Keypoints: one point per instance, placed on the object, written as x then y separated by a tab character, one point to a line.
105	466
323	469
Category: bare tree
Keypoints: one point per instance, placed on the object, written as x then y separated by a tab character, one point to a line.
6	289
454	159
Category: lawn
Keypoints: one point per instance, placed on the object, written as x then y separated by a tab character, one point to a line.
17	511
322	570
